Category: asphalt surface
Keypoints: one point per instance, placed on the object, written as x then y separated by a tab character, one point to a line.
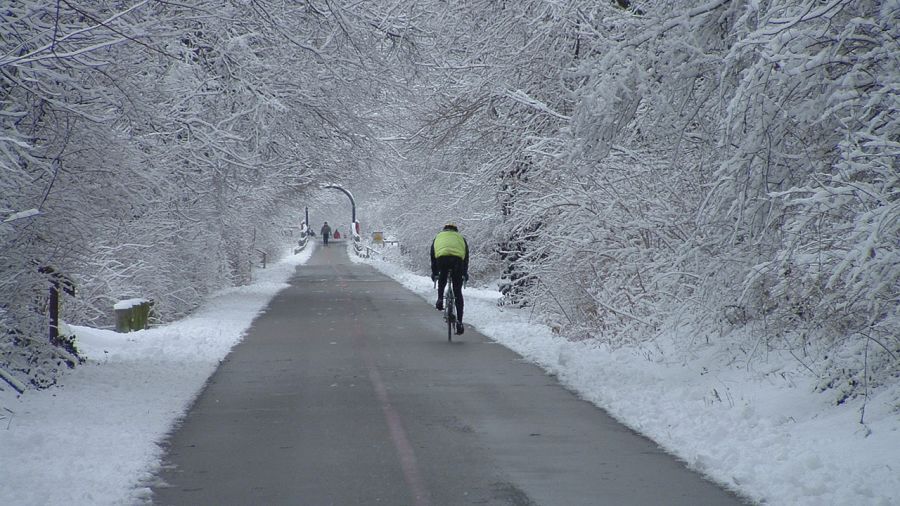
346	391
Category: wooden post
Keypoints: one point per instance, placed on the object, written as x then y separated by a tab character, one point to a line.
140	315
123	320
133	314
57	281
54	311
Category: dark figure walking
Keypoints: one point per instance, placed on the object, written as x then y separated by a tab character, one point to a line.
326	233
450	255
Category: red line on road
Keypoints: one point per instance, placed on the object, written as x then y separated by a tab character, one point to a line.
398	435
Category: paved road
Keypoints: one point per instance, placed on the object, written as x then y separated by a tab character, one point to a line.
347	392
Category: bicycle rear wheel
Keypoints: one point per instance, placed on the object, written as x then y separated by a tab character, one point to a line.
451	319
450	315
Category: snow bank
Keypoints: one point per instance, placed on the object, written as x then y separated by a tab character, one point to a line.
95	440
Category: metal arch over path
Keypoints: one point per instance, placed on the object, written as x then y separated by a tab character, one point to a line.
348	194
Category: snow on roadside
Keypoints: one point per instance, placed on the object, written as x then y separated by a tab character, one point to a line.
92	441
764	433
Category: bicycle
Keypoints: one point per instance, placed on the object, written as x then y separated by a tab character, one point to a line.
449	307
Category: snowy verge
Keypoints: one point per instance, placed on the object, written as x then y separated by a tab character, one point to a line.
94	439
759	430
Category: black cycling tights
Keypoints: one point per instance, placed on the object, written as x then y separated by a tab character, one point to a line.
453	266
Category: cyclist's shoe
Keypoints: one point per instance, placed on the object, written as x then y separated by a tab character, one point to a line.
459	328
439	305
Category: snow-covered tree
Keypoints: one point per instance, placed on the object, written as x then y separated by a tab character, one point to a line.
720	168
162	145
713	170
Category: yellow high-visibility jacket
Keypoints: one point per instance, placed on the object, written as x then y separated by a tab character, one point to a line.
450	243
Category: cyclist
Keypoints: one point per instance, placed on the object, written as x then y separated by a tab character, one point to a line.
450	252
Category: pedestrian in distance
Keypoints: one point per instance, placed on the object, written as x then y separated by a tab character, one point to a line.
326	233
450	257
